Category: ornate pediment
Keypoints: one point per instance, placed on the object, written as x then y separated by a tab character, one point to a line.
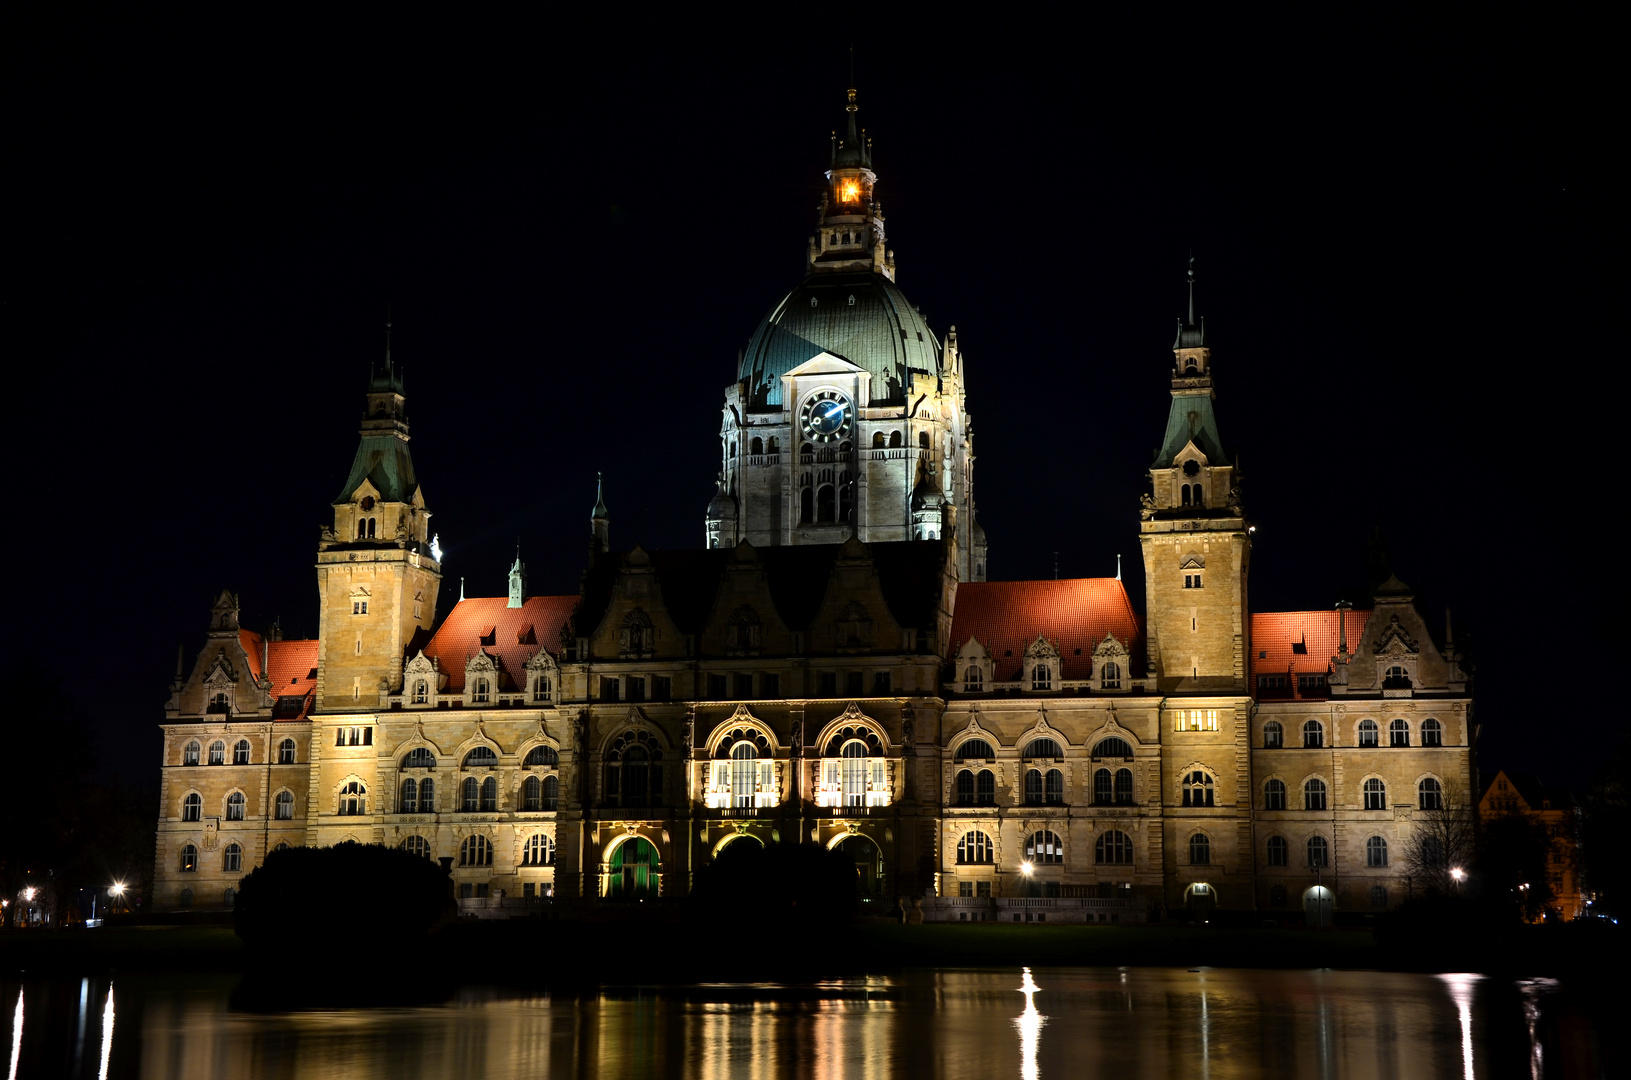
1110	648
423	665
480	662
1041	649
1193	562
540	661
221	672
973	649
1395	642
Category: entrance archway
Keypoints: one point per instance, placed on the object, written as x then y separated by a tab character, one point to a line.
868	865
632	873
1199	899
1318	903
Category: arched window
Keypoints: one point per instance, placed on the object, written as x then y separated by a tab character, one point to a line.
1376	851
482	757
232	859
965	787
410	796
1113	849
1110	677
757	446
240	752
235	806
1319	852
419	757
475	851
1053	786
482	692
1432	733
280	846
421	691
427	796
1044	847
975	848
362	528
552	792
1033	787
854	773
985	788
218	753
353	799
744	773
1124	787
634	771
1378	896
1367	733
1200	850
1113	747
975	750
373	524
1273	735
532	794
489	795
192	807
1279	851
877	440
542	757
416	845
1397	678
1398	733
1313	735
285	752
540	851
1197	789
826	503
186	899
189	754
1042	677
1186	495
1274	795
923	440
1429	795
806	506
189	859
1043	748
1104	792
1314	794
1375	794
285	806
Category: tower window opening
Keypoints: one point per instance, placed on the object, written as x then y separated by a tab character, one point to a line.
877	440
825	504
852	300
1186	495
923	440
757	446
894	440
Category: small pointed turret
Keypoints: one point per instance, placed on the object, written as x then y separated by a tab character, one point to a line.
518	580
850	230
600	522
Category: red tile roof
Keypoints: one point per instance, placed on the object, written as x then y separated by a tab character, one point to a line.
512	635
1277	636
1075	614
293	667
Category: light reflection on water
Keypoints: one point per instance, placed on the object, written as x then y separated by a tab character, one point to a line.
1078	1023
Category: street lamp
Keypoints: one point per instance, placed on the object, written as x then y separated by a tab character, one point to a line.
28	894
1459	874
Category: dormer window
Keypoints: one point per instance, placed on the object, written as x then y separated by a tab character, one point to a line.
1397	678
1110	677
482	692
1042	677
421	692
540	688
973	680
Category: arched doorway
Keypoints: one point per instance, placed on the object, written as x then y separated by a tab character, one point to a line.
1318	903
1199	900
633	871
868	865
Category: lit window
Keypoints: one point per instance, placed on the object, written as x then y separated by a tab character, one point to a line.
1273	735
1044	847
419	757
475	851
975	847
540	851
235	806
189	859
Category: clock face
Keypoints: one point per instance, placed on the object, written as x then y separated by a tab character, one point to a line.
825	416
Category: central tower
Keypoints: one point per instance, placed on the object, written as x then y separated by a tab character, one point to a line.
847	416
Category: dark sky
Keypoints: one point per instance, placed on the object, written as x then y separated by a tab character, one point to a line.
1402	232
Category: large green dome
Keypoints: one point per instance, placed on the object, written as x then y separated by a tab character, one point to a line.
861	317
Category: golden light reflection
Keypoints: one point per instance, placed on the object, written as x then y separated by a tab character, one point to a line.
1461	990
107	1034
16	1035
1029	1024
849	191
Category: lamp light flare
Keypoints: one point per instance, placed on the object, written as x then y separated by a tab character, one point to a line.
1025	868
118	888
849	191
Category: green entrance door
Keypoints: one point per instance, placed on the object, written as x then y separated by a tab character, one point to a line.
633	871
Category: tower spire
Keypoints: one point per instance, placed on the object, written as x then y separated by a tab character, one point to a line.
1191	286
600	521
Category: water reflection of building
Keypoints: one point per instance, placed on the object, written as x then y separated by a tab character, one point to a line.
834	666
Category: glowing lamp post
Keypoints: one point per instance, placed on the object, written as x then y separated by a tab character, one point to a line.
1459	875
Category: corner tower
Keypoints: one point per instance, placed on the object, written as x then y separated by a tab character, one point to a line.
377	576
848	415
1194	535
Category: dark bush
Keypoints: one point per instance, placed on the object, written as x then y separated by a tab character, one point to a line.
785	885
302	895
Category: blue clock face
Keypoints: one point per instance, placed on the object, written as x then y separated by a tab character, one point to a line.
826	416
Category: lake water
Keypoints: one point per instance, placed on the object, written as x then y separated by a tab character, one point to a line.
1041	1024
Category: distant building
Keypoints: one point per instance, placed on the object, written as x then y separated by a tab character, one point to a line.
832	666
1557	812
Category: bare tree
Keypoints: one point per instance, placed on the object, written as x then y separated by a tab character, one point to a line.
1441	840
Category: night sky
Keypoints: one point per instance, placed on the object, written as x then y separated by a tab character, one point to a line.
1402	234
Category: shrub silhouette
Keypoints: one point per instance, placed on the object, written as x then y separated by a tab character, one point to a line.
352	889
805	885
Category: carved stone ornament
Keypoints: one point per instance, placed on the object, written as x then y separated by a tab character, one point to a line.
1394	642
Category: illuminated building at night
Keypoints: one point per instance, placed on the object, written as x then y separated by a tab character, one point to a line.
831	666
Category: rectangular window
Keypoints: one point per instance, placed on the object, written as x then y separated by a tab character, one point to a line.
1192	581
965	888
852	683
662	688
982	888
744	686
540	688
609	688
527	890
880	682
770	686
716	687
827	684
637	687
